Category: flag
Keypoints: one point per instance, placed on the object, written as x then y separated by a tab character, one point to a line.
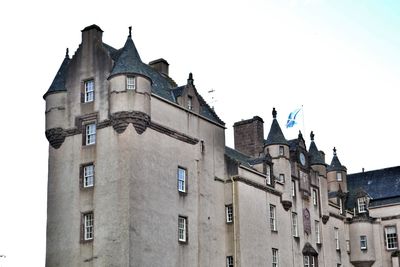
291	121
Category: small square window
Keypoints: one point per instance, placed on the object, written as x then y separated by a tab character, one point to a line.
182	229
363	242
89	91
229	261
87	224
281	178
229	213
130	83
182	180
90	134
281	151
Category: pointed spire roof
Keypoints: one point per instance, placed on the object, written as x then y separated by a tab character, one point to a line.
315	156
275	136
58	84
129	61
335	164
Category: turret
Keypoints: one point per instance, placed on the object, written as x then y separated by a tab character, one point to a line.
130	83
278	147
336	173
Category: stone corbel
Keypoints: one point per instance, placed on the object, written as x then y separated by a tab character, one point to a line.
56	136
286	204
325	219
121	120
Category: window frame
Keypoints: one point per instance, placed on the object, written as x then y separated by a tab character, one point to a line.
275	257
190	102
362	204
281	178
281	151
337	243
314	193
317	232
393	239
84	177
229	213
182	183
88	91
90	137
87	223
272	218
229	261
268	175
130	82
363	242
295	225
183	236
339	177
293	188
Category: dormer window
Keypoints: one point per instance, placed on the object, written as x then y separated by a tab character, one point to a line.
339	176
130	83
362	204
190	103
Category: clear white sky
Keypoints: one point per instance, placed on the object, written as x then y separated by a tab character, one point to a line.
339	59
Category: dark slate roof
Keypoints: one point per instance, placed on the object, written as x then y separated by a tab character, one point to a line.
315	156
383	185
58	84
335	163
236	155
384	201
275	135
129	61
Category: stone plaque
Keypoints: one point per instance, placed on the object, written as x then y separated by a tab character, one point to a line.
306	221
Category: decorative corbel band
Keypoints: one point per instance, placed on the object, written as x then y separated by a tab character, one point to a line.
172	133
286	204
56	136
121	120
325	219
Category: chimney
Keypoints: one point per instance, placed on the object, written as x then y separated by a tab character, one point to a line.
160	65
90	35
249	136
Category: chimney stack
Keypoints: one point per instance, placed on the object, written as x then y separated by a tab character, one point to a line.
160	65
249	136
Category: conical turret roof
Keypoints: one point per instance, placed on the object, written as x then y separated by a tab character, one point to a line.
58	84
335	164
275	135
129	61
315	156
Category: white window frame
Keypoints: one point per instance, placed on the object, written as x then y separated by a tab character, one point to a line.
229	213
339	177
272	217
275	257
88	226
391	239
268	174
295	226
130	82
182	179
293	188
182	231
89	91
363	242
362	204
337	243
229	261
315	197
90	132
88	175
340	206
317	232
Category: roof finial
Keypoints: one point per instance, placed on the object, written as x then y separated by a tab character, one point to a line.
334	151
67	53
190	79
130	32
274	113
312	136
300	135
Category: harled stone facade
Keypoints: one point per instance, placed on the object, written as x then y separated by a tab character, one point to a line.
139	175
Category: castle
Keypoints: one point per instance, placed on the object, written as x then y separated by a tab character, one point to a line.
139	175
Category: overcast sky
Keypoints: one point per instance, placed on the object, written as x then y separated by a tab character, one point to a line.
339	59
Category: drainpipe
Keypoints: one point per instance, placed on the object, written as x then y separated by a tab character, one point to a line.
234	221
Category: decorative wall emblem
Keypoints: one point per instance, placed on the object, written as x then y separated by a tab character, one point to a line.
306	221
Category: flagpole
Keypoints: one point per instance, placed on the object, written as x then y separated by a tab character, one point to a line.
304	126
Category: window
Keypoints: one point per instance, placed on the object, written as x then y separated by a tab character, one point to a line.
306	261
348	246
89	91
190	103
363	242
268	174
317	232
295	230
181	180
293	188
88	226
281	150
391	237
88	176
130	83
272	217
281	178
315	197
90	133
229	261
275	257
336	230
182	229
362	204
340	206
339	176
229	213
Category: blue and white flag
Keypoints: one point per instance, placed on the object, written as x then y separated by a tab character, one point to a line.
292	119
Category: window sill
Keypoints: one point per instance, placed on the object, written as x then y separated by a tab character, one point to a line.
182	242
182	193
274	231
